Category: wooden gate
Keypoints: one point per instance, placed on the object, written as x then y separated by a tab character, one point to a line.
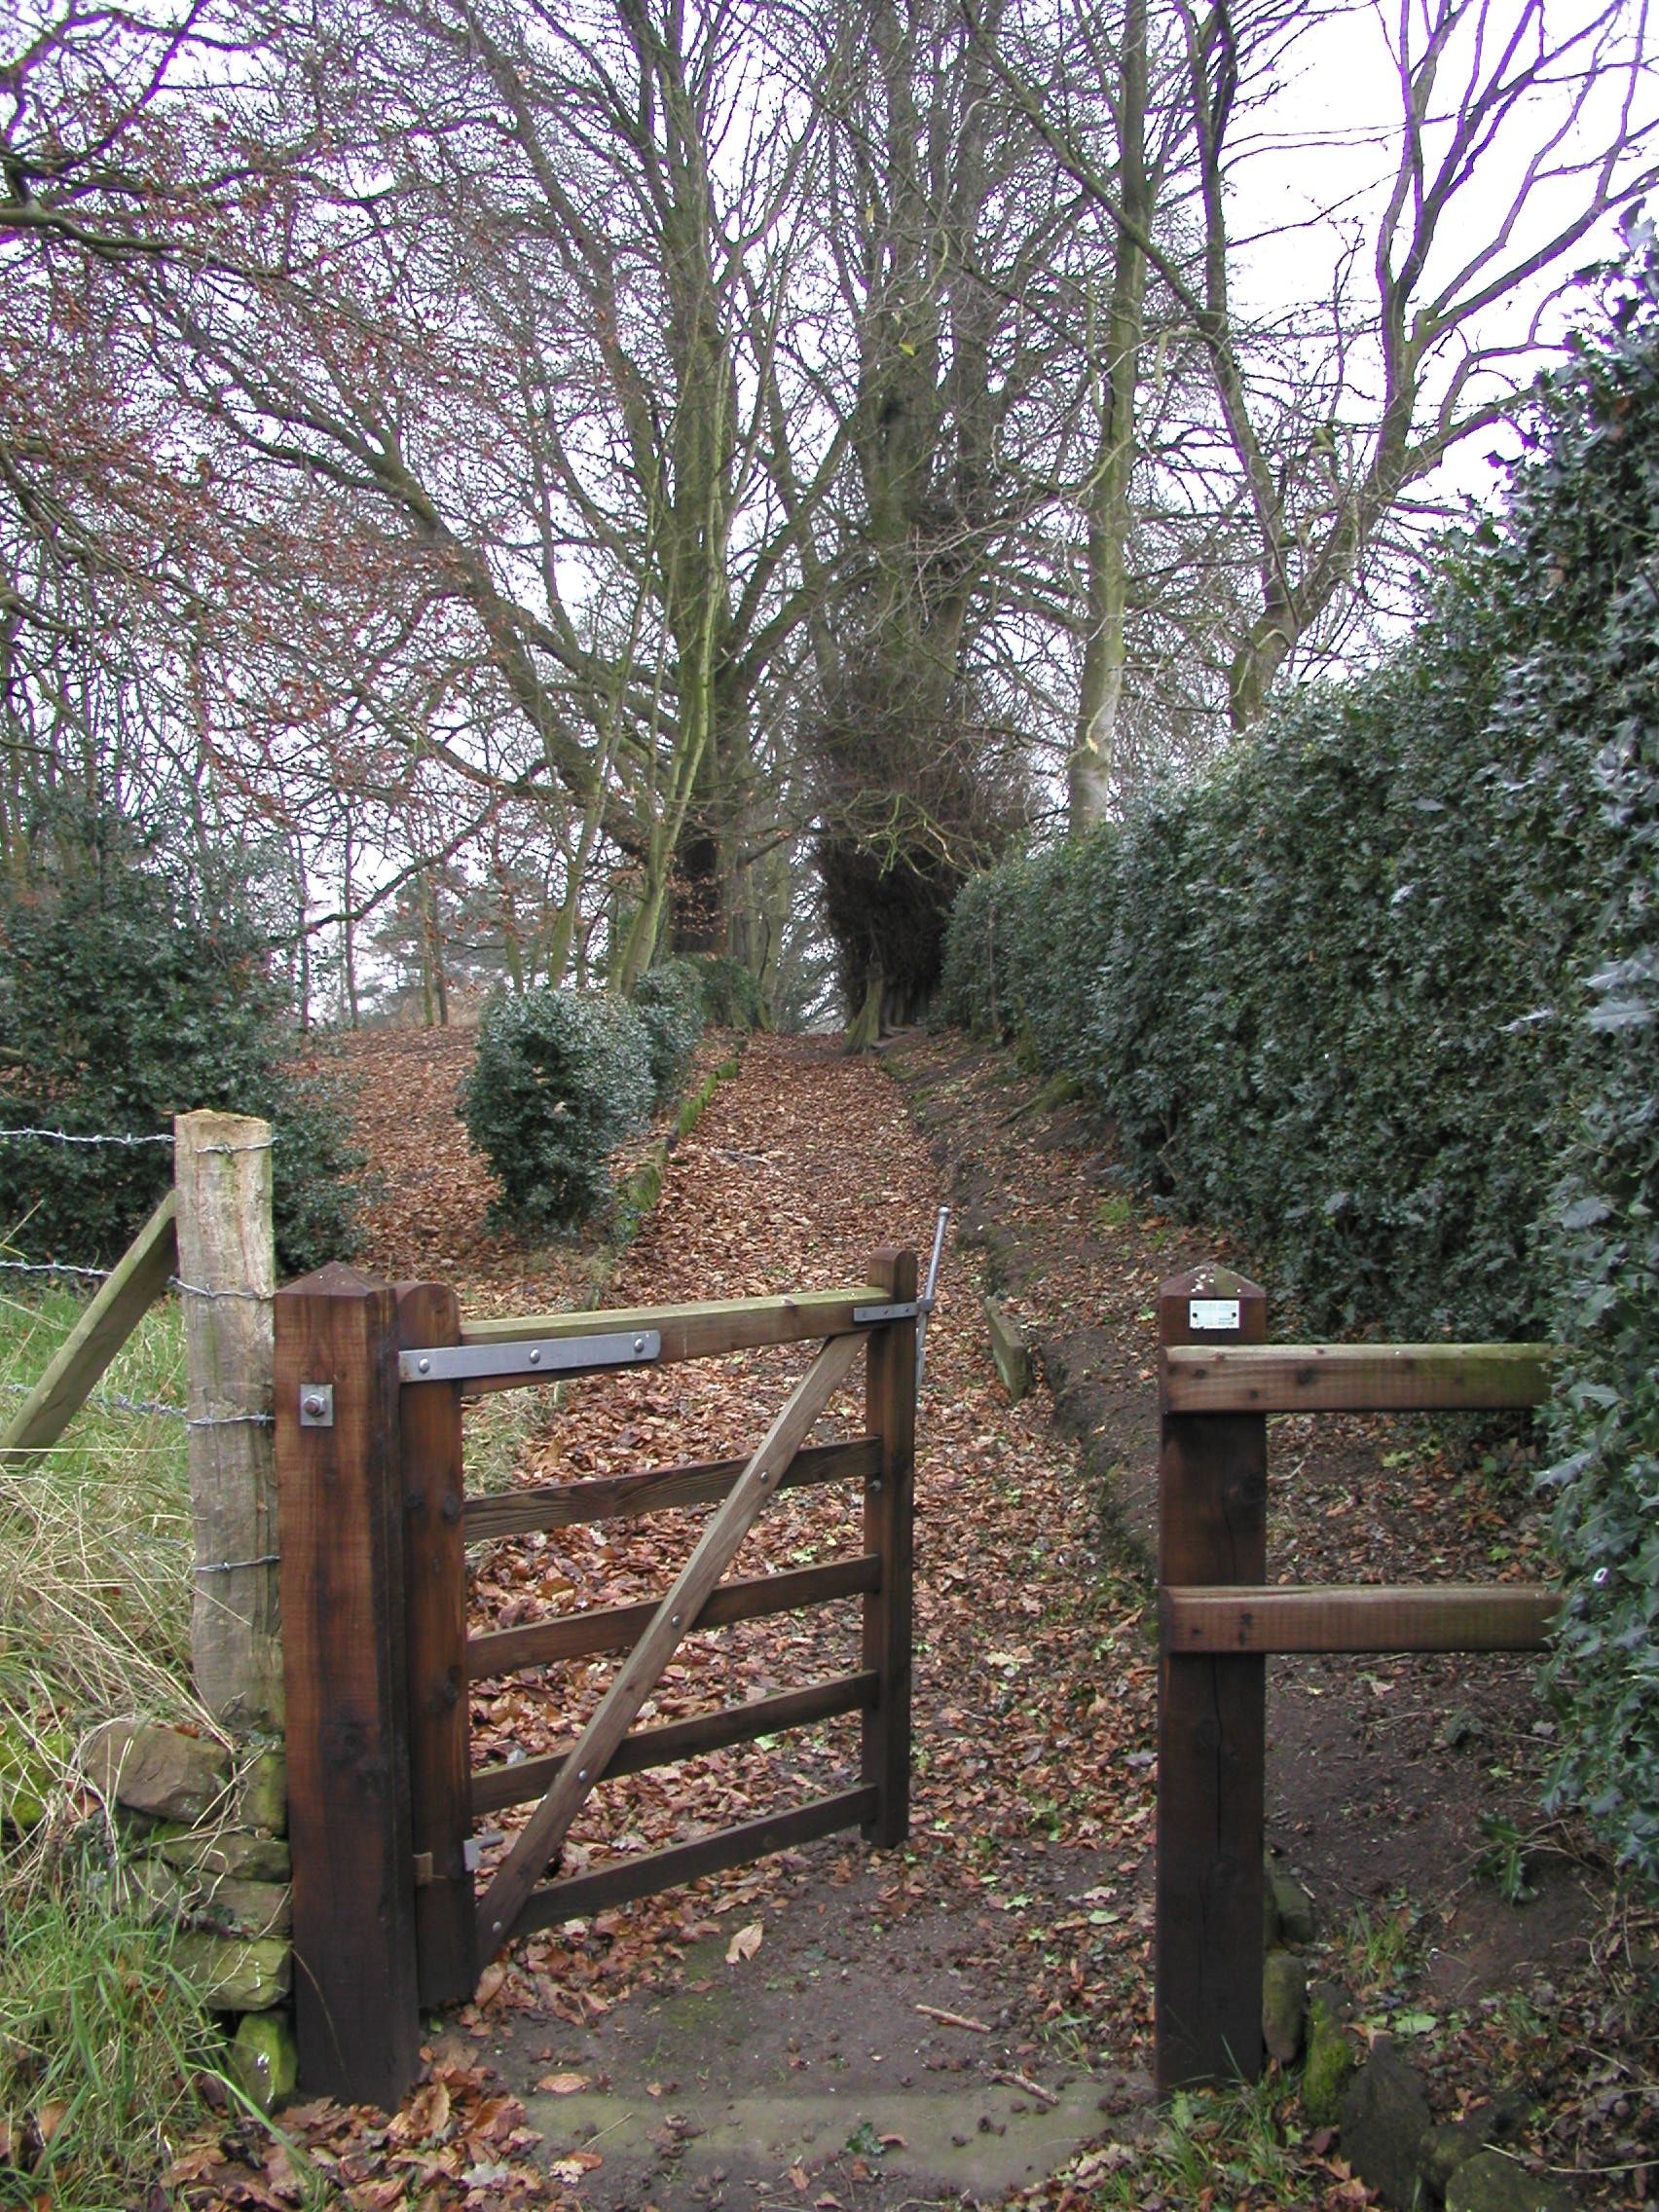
378	1664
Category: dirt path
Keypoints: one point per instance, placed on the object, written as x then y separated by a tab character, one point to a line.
949	2024
826	2064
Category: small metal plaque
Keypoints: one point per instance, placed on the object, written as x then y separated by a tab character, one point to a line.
1213	1312
317	1404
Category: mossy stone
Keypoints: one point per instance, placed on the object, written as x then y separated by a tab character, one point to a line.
234	1976
1284	2004
264	2060
250	1909
231	1853
30	1765
264	1798
1293	1906
1489	2182
1332	2057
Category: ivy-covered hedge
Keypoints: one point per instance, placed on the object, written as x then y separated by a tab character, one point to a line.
1357	993
560	1078
1326	995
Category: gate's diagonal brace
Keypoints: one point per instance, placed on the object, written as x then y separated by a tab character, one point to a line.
619	1708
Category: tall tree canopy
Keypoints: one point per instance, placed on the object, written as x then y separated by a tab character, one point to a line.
643	472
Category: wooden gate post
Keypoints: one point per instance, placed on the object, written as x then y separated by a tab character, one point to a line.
440	1756
227	1267
889	1519
341	1505
1212	1529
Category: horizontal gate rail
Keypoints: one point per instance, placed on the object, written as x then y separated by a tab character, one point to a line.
1219	1617
702	1331
1368	1378
613	1498
1367	1617
613	1628
626	1879
494	1786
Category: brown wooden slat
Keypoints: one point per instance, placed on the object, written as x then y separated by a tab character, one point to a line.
613	1628
494	1786
1290	1379
609	1497
628	1878
1443	1617
538	1842
700	1331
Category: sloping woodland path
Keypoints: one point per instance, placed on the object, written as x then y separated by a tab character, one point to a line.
948	2022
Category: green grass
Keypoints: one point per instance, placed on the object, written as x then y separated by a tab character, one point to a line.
95	1532
100	2042
1229	2144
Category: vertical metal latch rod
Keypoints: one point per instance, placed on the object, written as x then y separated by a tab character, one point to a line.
926	1305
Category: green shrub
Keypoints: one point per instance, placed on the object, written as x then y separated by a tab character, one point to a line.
731	993
121	1003
669	1000
561	1078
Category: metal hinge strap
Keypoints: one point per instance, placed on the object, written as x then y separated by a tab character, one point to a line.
532	1356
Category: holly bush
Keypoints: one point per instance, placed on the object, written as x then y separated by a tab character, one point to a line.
731	992
1358	992
560	1078
121	1003
669	1000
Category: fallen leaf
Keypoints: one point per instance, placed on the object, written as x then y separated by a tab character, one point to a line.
572	2168
490	1981
744	1945
49	2118
564	2084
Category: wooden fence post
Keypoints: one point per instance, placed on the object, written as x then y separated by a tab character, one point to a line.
227	1270
889	1516
440	1756
338	1473
1212	1529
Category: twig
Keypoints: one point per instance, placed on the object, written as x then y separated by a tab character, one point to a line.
954	2019
1045	2097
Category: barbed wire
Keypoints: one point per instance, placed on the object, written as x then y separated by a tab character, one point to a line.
115	1401
196	1290
52	1267
66	1136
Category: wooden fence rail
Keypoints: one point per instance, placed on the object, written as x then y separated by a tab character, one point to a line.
383	1797
1219	1616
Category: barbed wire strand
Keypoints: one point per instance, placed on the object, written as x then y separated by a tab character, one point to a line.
196	1290
230	1565
65	1136
53	1267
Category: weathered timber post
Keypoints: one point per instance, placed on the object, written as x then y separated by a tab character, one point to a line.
340	1484
440	1758
1212	1529
227	1272
889	1515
